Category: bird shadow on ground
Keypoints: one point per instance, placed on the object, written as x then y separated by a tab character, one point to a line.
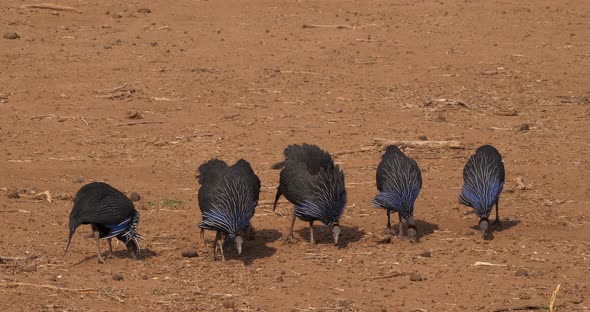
121	254
506	225
323	235
425	228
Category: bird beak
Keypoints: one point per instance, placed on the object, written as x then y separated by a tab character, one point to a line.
239	241
336	233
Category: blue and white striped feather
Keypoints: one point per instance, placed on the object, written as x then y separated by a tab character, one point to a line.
231	209
402	184
483	183
127	230
329	198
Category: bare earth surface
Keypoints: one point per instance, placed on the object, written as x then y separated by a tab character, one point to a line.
243	79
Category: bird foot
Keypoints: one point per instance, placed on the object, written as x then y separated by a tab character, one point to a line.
498	225
100	259
291	239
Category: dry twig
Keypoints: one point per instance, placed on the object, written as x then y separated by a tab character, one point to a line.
337	26
7	258
553	297
138	123
430	144
17	284
50	6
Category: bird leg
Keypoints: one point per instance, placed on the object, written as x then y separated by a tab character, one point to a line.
311	240
97	237
389	231
111	254
497	222
277	196
291	238
215	246
401	225
220	242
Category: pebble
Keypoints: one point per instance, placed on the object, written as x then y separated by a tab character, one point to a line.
426	254
416	277
524	296
11	35
228	303
524	127
382	239
13	194
134	197
190	253
280	279
144	10
521	272
118	277
63	196
489	72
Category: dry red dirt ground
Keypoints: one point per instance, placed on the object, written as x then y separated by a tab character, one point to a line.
242	79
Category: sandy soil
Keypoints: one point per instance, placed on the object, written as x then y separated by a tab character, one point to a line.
235	79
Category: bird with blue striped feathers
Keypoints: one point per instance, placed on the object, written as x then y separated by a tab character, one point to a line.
315	185
110	214
227	199
399	181
483	177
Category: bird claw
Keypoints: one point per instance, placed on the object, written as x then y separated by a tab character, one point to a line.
100	260
290	239
498	225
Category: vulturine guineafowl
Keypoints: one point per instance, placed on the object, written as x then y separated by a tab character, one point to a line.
483	182
399	182
110	214
227	198
315	185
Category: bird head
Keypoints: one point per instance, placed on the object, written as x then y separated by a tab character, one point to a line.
239	241
484	226
412	233
132	248
336	232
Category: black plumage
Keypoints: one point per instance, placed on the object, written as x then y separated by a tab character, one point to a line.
399	181
110	214
483	177
314	184
227	198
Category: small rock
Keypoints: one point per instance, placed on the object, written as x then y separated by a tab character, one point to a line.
63	196
13	194
489	72
280	279
144	10
189	253
382	239
134	197
133	114
416	277
524	127
524	296
426	254
228	303
153	43
118	277
521	272
11	36
117	15
107	47
422	137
